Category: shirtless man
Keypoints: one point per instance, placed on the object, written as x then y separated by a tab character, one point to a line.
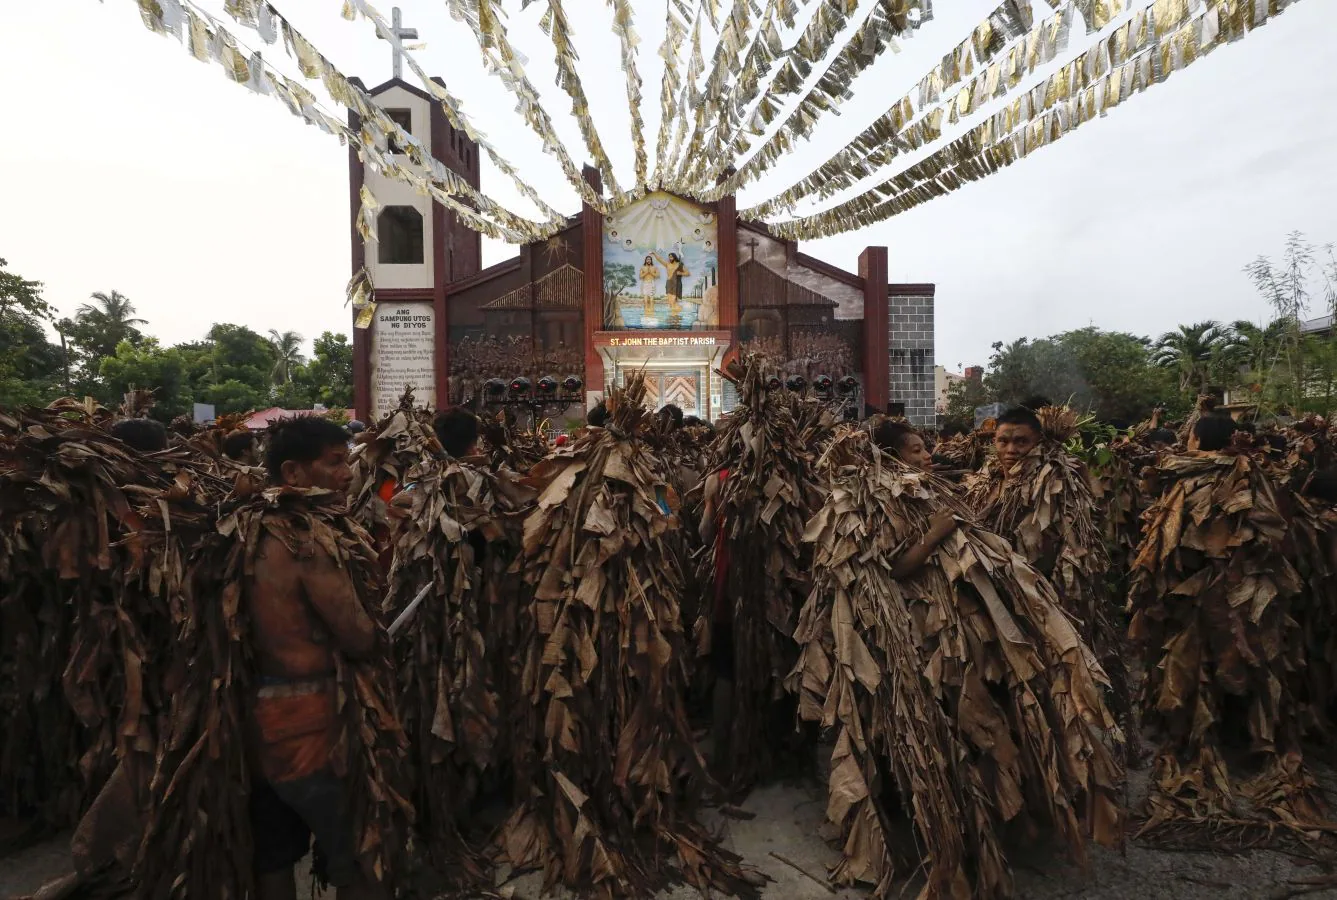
303	609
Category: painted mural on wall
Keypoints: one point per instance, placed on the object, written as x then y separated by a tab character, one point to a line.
661	265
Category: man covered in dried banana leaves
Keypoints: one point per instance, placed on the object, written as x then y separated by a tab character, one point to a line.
1220	616
605	758
1037	495
454	656
94	537
281	673
964	700
759	495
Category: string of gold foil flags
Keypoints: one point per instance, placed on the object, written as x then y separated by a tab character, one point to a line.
557	27
380	128
454	112
1001	129
999	61
675	29
628	39
829	18
1142	29
484	19
887	21
726	62
1007	21
982	151
761	54
764	51
689	97
207	40
270	24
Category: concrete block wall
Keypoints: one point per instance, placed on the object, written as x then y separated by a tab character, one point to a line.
910	345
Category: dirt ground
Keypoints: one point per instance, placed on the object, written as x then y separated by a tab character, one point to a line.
785	841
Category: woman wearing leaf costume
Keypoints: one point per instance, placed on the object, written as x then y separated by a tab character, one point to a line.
606	755
965	704
1218	612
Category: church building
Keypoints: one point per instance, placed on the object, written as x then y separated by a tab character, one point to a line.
663	285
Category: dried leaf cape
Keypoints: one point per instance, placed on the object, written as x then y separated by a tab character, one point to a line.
1219	614
963	691
448	680
403	439
761	508
202	760
94	538
605	762
1046	509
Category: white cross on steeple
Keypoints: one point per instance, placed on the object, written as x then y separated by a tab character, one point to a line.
401	34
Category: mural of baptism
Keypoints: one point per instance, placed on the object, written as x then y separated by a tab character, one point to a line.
661	265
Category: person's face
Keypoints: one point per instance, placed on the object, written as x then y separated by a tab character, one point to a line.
329	471
1013	442
915	454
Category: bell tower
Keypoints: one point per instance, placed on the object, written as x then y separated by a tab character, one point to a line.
420	248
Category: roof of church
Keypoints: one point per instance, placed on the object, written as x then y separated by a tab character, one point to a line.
761	286
562	288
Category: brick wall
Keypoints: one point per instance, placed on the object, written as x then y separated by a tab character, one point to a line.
911	357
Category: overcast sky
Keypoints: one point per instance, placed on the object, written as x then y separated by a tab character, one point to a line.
128	165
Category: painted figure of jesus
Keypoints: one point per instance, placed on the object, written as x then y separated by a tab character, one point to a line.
649	282
673	283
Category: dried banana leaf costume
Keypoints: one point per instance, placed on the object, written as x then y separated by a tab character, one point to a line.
757	570
203	763
93	542
962	691
448	690
1216	607
606	761
1046	509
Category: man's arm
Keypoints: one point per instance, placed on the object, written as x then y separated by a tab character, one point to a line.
329	590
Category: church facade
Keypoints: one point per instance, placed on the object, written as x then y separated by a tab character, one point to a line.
664	286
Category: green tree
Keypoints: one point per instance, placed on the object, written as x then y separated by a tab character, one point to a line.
287	355
328	377
30	365
234	396
239	354
1192	352
100	327
1108	373
963	397
149	366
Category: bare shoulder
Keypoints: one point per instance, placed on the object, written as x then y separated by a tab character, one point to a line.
274	558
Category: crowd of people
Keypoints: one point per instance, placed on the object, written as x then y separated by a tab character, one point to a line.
439	645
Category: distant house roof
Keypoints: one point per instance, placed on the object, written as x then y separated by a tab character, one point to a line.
1322	323
262	419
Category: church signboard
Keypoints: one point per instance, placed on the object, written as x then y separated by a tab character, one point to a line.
403	353
661	266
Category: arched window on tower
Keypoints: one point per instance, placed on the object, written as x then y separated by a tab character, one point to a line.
399	236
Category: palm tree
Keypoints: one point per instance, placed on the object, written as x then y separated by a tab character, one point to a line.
1253	347
1191	350
103	324
287	354
113	311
